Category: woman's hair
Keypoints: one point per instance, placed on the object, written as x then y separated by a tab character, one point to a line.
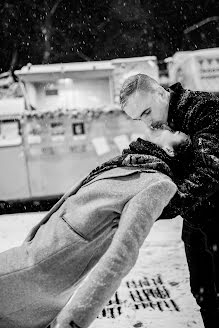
134	83
183	148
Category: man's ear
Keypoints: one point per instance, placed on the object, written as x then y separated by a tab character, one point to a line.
161	91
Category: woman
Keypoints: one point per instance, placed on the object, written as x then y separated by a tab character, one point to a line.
91	238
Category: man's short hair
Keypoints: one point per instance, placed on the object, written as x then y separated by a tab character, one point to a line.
135	83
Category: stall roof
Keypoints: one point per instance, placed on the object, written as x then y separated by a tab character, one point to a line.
64	67
99	68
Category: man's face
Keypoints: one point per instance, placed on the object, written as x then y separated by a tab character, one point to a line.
149	107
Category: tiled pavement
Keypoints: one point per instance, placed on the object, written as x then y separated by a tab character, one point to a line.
155	294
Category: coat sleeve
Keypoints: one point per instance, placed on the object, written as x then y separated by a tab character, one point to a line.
202	179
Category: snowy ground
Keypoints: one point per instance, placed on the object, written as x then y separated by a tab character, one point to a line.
155	294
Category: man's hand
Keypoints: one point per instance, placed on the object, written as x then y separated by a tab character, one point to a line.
173	209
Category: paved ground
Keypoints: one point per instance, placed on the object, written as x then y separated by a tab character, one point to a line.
155	294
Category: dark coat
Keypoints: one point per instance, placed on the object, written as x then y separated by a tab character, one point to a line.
196	113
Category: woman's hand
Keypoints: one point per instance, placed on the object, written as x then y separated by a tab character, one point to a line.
63	322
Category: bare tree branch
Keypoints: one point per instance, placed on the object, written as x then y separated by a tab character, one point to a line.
52	11
199	24
47	31
82	55
13	60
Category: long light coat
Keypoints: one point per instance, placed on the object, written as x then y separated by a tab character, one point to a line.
39	277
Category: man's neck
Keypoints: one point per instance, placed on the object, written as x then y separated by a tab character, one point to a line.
168	103
170	123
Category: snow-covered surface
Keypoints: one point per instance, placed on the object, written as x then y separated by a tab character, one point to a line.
162	254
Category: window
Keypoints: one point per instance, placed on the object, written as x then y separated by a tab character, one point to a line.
78	128
57	131
10	133
33	129
51	89
92	93
51	92
57	128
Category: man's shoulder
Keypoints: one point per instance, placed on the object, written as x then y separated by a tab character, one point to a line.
197	95
204	96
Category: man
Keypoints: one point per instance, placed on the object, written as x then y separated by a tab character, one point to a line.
196	114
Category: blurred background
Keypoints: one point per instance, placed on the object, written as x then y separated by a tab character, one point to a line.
52	31
62	64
